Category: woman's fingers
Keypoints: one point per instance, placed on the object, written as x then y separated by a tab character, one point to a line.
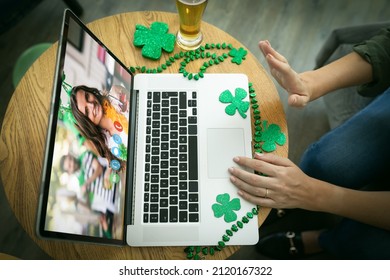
251	187
290	81
263	163
259	194
273	159
285	75
249	181
296	100
257	200
259	189
267	49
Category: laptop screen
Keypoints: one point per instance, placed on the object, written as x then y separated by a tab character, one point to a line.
86	158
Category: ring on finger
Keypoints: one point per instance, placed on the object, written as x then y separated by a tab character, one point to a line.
266	193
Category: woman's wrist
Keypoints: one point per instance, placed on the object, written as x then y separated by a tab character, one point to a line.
310	198
350	70
326	197
312	85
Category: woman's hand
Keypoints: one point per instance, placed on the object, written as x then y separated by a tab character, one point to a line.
295	84
284	186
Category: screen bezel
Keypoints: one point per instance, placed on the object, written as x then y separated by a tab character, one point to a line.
50	140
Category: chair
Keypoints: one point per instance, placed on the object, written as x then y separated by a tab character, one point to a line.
26	59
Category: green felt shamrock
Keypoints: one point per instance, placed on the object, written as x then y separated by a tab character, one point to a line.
236	102
270	135
238	55
226	207
154	39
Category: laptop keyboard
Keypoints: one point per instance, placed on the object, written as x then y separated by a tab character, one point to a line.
171	192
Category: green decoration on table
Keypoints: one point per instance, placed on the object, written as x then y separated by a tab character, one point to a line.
270	135
238	55
186	57
226	207
198	252
154	40
236	102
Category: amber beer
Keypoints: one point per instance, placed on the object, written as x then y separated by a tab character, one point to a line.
190	13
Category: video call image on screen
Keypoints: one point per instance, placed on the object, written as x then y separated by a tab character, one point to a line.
87	182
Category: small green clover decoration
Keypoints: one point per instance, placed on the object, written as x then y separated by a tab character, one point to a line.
238	55
226	207
154	39
270	135
237	102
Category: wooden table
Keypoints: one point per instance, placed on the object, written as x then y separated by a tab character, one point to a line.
24	129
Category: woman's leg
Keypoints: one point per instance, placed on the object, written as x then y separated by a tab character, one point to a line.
355	153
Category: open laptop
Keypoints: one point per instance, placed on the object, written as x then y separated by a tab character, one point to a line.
139	159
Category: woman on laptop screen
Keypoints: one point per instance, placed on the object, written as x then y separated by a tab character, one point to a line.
103	119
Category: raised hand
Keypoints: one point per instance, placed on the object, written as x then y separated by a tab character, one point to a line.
291	81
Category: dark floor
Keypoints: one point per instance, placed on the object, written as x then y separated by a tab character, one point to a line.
297	29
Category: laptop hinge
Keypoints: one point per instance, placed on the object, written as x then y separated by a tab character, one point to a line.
133	142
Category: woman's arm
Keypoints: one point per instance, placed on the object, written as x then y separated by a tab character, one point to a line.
370	207
286	186
349	70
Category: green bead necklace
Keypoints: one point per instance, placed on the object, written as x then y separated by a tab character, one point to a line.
199	252
203	52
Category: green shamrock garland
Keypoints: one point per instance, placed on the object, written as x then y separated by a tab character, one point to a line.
224	207
203	52
199	252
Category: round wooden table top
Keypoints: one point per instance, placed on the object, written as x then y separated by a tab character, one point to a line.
24	129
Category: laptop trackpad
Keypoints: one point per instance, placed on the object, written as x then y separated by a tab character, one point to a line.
171	234
223	144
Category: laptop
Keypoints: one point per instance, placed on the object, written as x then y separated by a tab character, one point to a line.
139	159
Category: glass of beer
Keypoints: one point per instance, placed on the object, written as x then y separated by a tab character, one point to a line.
189	36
